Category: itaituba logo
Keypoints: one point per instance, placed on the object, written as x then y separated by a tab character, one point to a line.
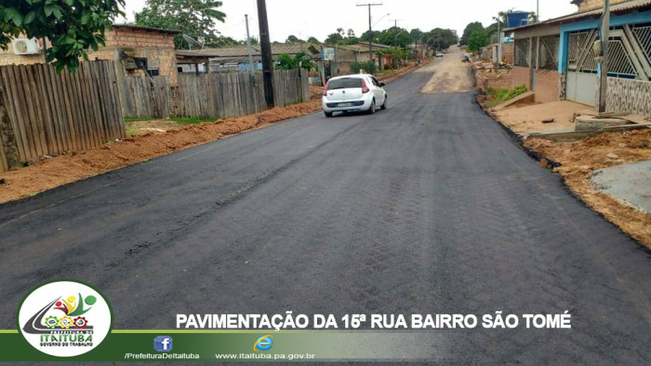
64	318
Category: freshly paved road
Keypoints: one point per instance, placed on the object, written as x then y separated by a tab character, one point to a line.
428	207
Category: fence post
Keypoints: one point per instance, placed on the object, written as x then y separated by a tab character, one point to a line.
8	142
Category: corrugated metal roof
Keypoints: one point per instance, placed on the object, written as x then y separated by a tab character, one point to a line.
242	51
133	26
596	13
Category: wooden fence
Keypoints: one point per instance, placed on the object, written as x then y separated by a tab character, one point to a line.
45	113
210	95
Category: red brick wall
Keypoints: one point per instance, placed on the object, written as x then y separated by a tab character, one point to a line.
129	37
508	52
521	76
546	87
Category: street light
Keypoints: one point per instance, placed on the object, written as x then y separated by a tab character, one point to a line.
376	23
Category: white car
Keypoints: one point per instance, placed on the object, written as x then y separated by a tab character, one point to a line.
353	93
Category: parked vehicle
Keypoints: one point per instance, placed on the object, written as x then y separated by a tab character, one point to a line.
465	58
439	54
353	93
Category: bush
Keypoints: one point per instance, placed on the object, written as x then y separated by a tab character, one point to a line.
497	96
368	66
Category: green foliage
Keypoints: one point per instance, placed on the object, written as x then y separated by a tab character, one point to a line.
195	18
416	34
293	39
470	28
72	26
191	120
334	38
300	60
375	36
395	35
498	96
313	40
440	38
369	67
477	40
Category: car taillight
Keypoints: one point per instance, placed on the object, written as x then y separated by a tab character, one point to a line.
325	89
365	88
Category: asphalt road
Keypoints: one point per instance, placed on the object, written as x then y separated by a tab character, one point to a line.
428	207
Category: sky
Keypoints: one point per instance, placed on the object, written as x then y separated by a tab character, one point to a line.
311	18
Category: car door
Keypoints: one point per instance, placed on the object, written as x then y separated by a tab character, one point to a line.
378	91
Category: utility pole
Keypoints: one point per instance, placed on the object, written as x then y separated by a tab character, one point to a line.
499	42
605	33
267	59
395	45
251	65
537	11
370	29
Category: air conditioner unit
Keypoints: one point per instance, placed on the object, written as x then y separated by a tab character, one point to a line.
25	46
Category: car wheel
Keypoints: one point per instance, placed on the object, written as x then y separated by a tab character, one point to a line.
371	110
385	105
328	114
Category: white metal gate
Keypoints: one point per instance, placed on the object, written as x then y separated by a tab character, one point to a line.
581	68
629	48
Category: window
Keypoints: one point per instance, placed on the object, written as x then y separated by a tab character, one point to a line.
345	83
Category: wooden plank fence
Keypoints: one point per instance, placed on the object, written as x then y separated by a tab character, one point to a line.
45	113
210	95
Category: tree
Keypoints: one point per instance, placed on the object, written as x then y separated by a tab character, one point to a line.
253	40
392	35
300	60
470	28
375	35
477	40
334	38
351	33
293	39
72	26
440	38
533	17
416	34
195	18
313	40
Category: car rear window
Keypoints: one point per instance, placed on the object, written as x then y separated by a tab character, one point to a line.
344	83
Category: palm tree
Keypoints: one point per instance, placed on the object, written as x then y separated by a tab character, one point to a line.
212	11
533	17
300	60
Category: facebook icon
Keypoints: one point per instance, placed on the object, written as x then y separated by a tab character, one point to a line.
163	343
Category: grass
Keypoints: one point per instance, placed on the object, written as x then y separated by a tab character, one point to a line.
131	129
498	96
190	120
136	119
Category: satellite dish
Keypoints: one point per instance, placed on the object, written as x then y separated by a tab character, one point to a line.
191	41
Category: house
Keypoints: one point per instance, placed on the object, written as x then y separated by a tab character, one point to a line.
137	50
236	58
380	62
556	59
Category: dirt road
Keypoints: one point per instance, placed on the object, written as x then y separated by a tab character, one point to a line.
449	74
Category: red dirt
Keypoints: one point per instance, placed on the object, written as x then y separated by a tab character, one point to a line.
64	169
582	158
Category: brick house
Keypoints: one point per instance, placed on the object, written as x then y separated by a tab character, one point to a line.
138	50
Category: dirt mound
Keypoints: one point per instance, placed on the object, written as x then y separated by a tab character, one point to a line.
60	170
579	160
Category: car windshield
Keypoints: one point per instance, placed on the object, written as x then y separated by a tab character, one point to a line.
344	83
